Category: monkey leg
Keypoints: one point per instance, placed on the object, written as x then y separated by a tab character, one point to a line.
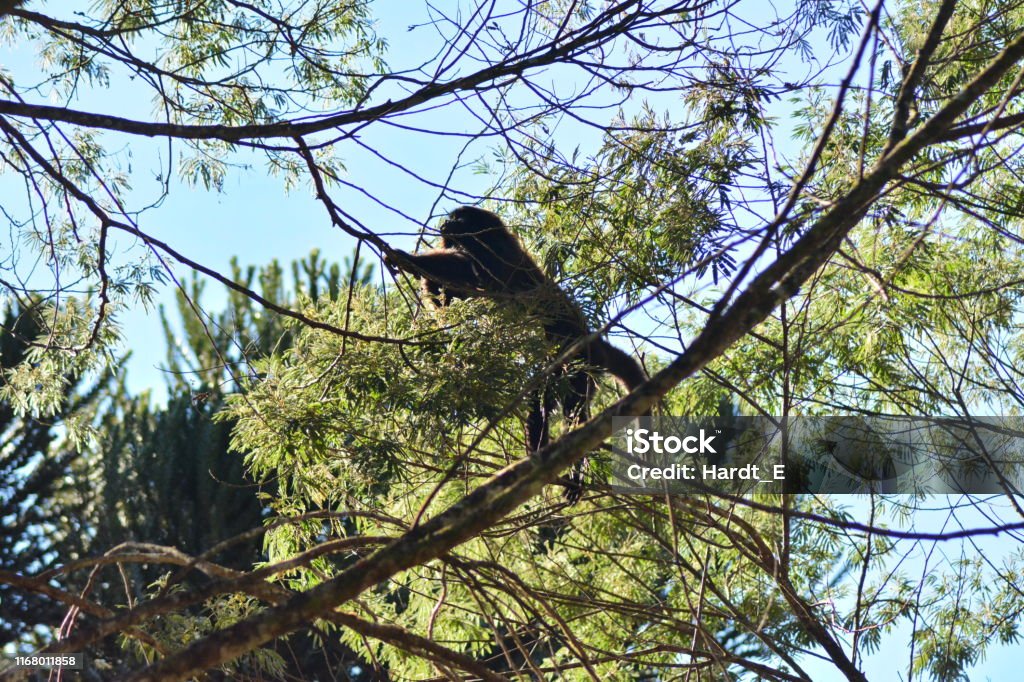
576	410
576	402
538	421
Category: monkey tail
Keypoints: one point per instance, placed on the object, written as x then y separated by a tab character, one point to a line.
621	365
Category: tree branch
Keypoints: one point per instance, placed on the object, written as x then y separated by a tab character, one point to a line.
629	13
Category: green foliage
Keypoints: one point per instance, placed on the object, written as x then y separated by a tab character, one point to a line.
652	204
60	350
334	417
158	474
166	475
177	630
42	518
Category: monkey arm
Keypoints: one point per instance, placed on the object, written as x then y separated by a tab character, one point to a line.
441	269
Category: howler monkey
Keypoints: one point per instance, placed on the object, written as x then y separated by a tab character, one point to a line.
479	257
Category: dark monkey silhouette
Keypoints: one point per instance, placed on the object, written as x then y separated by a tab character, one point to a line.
479	257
